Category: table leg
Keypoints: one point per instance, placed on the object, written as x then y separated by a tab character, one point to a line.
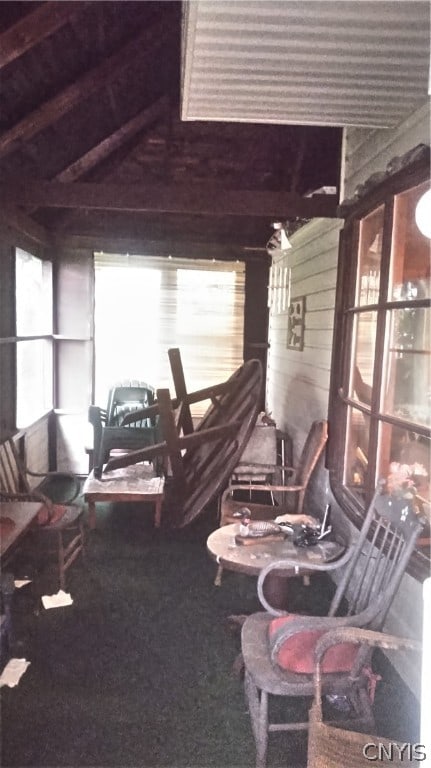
275	591
92	514
158	513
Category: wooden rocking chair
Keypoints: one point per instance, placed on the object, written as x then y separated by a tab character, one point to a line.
278	648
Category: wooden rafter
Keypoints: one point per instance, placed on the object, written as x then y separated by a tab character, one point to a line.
34	27
106	147
142	45
12	216
180	248
159	198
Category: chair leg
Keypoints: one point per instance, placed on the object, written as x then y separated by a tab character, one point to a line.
217	580
262	745
258	708
61	569
83	547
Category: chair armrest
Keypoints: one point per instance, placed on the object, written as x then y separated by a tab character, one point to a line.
31	496
364	637
289	564
300	624
261	487
76	485
96	416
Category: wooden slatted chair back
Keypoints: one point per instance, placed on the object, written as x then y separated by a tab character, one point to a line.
13	478
382	551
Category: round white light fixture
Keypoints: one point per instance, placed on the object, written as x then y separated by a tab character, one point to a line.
423	214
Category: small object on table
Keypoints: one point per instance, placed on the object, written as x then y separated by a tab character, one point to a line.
251	540
258	531
309	536
250	530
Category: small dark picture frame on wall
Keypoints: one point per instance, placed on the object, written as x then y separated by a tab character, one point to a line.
295	323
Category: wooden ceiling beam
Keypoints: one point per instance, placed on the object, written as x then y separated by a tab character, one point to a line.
243	231
35	27
143	45
13	217
175	248
119	137
105	148
152	198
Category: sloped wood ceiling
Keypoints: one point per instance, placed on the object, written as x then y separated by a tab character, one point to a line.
92	143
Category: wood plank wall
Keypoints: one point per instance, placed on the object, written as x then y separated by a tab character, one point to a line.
298	381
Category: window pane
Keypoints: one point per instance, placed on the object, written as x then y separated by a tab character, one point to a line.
370	253
356	458
406	448
410	256
128	339
33	295
407	392
361	379
34	380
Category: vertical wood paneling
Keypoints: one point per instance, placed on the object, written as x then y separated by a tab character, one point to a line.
298	381
297	388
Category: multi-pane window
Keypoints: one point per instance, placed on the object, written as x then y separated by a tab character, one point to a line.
33	287
381	380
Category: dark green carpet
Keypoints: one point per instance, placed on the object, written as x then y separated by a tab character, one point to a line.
137	672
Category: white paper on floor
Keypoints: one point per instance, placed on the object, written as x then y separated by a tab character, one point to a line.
21	583
58	600
13	671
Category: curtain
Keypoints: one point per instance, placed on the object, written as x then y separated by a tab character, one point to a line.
146	305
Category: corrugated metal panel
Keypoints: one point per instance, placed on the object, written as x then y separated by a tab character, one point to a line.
315	62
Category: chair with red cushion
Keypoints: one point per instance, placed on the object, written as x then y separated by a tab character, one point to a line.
279	648
59	520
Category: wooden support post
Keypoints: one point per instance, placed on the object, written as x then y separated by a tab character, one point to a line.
171	437
186	421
